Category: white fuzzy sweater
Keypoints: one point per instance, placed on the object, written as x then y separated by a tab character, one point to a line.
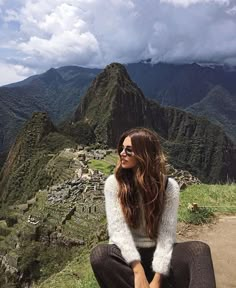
121	234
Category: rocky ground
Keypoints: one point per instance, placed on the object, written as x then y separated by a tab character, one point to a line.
220	236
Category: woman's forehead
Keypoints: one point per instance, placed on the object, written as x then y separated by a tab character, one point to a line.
127	141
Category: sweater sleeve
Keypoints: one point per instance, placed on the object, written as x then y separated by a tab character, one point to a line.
118	230
167	230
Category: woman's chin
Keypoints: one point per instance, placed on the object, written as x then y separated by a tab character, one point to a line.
124	166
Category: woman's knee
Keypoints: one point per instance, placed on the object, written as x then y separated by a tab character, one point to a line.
199	248
98	255
191	249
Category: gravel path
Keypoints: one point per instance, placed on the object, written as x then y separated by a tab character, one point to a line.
221	237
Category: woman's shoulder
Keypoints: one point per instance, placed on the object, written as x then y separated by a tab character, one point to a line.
172	187
111	182
172	182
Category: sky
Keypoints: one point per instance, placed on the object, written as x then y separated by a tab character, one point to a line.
36	35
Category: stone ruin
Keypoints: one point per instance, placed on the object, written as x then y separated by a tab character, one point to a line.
84	192
183	177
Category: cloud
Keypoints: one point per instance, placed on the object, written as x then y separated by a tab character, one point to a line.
186	3
232	10
2	2
12	73
39	34
63	37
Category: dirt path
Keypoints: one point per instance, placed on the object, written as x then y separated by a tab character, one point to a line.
221	237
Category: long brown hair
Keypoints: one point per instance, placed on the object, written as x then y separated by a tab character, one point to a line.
147	179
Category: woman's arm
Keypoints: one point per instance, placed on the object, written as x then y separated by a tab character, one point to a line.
156	281
167	229
118	229
140	279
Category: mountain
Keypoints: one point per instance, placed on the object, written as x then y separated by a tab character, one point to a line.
189	84
219	107
56	92
25	170
52	201
180	85
112	94
114	103
43	234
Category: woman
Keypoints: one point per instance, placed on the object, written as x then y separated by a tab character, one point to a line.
141	209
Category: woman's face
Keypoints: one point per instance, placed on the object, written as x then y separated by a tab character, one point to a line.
127	158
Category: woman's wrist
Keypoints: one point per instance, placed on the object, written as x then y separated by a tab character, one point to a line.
137	267
157	277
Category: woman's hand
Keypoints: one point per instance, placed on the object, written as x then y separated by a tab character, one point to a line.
140	280
156	281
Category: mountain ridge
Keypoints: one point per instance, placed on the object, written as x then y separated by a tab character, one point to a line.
189	139
219	107
113	104
24	171
58	92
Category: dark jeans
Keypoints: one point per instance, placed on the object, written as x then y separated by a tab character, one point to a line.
191	266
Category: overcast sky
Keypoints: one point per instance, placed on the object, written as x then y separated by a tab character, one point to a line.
36	35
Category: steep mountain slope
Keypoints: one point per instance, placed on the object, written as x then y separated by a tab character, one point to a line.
24	171
112	89
114	104
56	92
220	107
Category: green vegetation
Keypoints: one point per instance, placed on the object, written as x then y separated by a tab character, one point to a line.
211	200
4	230
81	132
77	274
200	216
38	160
55	142
48	91
42	166
218	106
106	165
193	143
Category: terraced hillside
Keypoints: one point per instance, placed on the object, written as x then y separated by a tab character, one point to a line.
51	229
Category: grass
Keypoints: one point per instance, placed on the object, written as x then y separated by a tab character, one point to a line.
4	230
77	274
106	165
211	200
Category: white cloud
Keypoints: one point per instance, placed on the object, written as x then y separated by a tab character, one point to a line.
186	3
40	34
10	15
2	2
12	73
232	10
62	48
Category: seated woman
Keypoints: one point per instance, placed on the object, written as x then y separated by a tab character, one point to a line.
141	209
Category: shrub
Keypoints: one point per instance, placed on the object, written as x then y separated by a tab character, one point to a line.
200	216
